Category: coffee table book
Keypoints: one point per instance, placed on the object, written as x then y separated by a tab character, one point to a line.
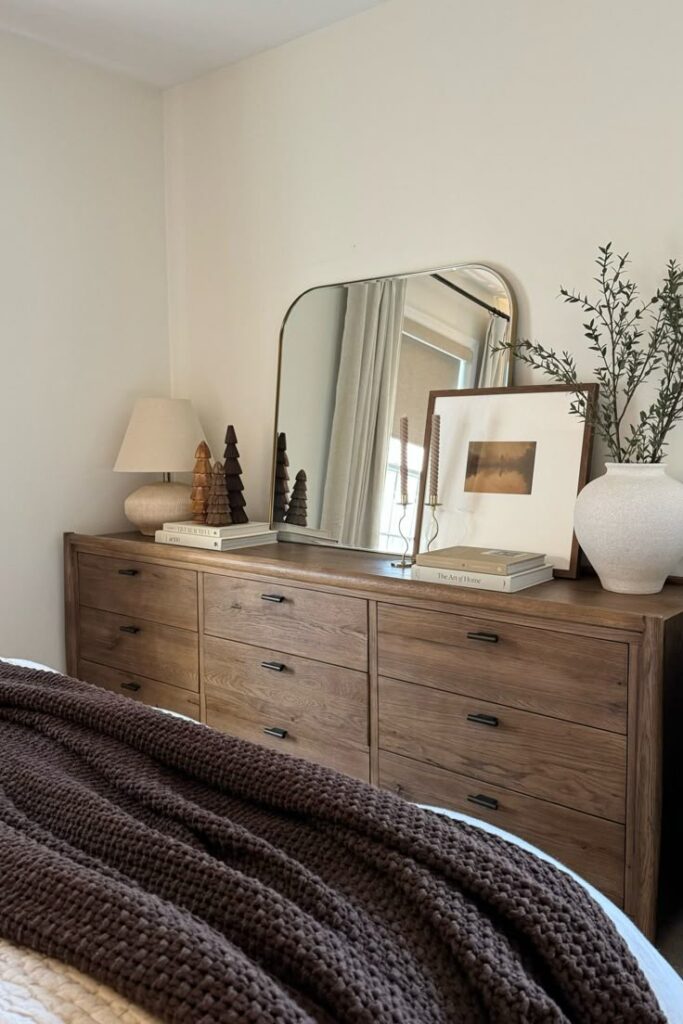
484	580
188	540
499	561
201	530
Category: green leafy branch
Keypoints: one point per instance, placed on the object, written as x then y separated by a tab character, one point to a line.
634	342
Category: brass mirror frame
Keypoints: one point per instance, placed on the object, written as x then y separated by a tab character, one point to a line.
467	265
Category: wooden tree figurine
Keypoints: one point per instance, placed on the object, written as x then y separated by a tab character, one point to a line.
296	513
218	512
233	478
201	483
281	480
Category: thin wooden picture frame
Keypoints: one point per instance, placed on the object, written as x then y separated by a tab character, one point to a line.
591	391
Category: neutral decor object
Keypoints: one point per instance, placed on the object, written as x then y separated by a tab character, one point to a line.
630	524
512	461
432	502
233	478
499	561
405	560
539	712
630	521
484	580
403	466
162	437
355	357
281	482
201	482
218	508
297	509
224	543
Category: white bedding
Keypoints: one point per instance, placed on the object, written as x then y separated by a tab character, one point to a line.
36	989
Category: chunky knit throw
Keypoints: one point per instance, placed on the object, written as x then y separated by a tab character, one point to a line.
208	879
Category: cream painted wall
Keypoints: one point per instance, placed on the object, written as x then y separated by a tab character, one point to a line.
422	132
83	325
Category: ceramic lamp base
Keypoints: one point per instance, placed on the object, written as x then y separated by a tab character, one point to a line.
151	506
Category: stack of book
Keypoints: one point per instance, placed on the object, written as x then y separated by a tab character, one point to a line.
483	568
216	538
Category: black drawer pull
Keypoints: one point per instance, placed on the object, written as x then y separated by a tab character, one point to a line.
274	666
129	572
480	719
487	638
130	629
273	598
133	687
484	801
279	734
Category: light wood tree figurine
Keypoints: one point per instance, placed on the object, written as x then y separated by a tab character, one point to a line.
281	496
296	513
233	478
218	512
201	483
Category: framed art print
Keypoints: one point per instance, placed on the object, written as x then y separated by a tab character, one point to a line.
512	461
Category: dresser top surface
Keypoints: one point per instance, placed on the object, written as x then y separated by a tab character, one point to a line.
375	577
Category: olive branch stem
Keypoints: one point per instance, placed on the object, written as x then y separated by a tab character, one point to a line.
636	342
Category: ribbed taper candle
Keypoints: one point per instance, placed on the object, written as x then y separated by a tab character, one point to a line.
404	457
434	458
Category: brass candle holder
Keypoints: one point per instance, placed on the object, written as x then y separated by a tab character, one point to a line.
406	561
433	504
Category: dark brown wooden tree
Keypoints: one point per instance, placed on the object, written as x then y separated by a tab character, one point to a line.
201	482
233	478
296	513
218	511
281	496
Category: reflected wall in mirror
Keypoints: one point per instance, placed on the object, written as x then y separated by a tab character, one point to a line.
354	359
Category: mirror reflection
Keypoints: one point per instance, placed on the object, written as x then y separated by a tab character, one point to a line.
355	359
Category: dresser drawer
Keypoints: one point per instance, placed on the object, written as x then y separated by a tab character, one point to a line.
581	679
590	846
322	702
305	718
155	592
559	761
351	761
136	645
290	619
147	691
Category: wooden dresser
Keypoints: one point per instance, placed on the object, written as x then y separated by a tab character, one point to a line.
541	712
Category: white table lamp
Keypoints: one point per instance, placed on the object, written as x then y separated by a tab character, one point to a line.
162	437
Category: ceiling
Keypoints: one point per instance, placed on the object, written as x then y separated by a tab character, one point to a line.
165	42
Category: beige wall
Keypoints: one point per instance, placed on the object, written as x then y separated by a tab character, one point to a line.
419	133
83	326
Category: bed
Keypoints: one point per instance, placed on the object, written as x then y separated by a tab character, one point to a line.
36	988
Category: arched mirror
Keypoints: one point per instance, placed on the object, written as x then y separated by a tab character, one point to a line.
355	359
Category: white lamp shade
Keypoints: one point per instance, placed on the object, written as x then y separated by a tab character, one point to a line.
162	437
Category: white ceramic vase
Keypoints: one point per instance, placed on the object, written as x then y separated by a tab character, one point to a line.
629	522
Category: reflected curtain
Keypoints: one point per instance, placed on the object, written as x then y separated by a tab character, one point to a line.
363	412
493	367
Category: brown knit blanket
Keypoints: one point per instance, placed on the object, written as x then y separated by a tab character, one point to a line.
208	879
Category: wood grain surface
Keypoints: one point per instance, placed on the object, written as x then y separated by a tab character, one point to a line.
323	702
559	761
147	691
165	653
155	592
585	684
314	625
559	674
